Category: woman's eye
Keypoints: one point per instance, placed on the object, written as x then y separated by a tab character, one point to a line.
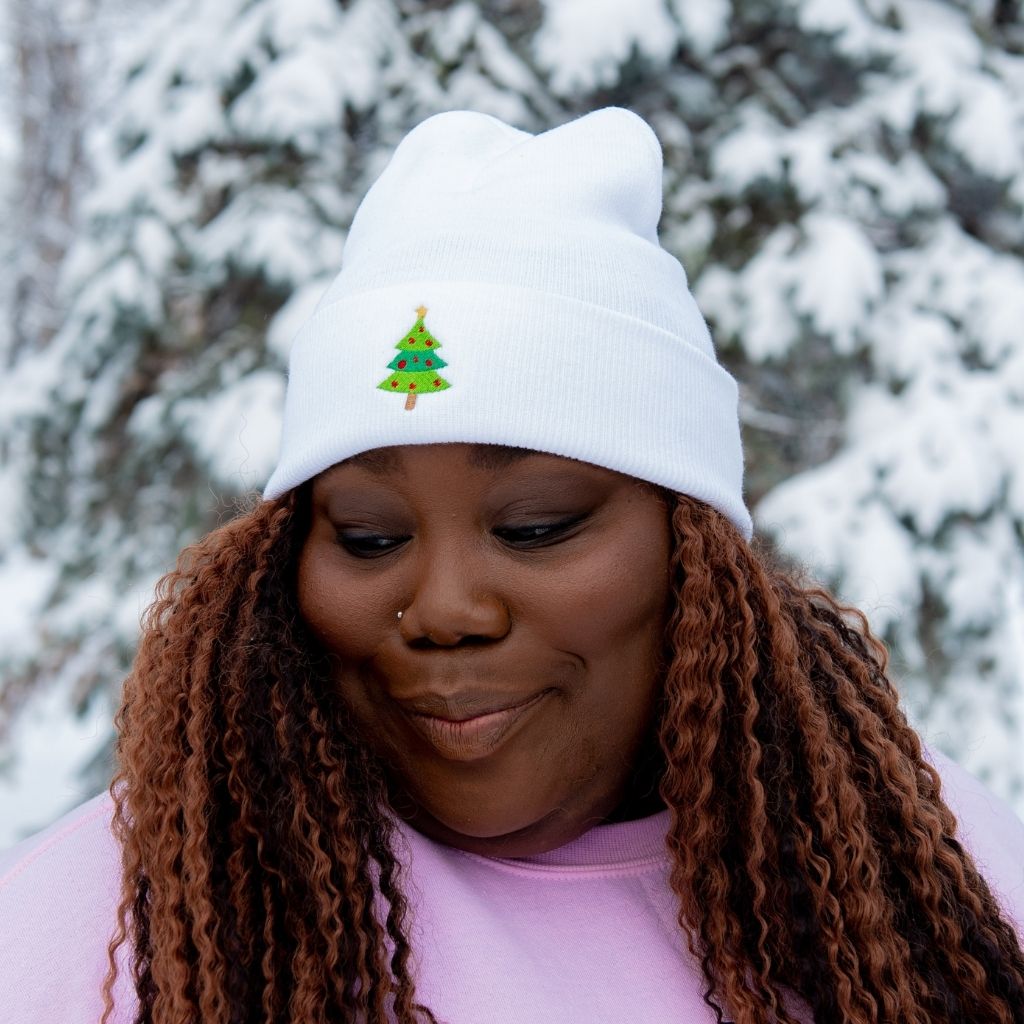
367	545
372	545
527	536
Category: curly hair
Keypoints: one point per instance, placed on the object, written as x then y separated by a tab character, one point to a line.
811	851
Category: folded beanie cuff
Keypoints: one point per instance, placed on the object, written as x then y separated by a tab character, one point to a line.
523	368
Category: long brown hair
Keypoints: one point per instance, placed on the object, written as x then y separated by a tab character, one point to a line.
812	853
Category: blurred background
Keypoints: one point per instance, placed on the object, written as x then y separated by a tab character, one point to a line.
844	182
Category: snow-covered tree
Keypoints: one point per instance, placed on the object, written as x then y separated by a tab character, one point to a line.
855	228
46	115
42	174
227	170
844	182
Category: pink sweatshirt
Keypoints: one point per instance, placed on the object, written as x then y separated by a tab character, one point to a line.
585	933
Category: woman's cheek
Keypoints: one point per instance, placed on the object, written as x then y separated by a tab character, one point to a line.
329	603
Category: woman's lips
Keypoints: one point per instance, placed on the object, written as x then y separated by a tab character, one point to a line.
471	738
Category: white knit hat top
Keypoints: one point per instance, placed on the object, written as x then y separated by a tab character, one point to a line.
508	288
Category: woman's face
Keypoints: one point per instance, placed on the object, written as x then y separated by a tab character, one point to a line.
514	696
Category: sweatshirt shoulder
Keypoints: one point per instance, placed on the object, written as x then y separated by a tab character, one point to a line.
81	837
59	892
990	830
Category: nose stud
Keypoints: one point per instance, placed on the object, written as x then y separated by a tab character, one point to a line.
399	614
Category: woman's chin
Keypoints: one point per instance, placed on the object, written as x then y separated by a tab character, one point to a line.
531	831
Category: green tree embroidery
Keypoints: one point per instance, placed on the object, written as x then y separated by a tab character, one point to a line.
417	365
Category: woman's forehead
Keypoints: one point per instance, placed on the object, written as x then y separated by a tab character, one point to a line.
388	461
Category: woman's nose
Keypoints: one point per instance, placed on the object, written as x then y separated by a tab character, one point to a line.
453	598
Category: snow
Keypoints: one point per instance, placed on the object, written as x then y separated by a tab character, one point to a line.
996	310
144	179
455	34
915	345
936	465
292	315
583	43
984	128
704	25
864	546
936	47
235	432
268	230
290	25
976	725
810	512
880	572
831	275
292	98
124	285
837	278
808	154
506	70
327	58
194	118
26	583
900	188
153	246
971	596
751	152
844	18
770	327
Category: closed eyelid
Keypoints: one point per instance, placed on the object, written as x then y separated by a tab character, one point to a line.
352	536
562	522
368	538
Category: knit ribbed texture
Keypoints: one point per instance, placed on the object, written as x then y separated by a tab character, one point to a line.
534	261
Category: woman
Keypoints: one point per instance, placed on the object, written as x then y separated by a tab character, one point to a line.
489	712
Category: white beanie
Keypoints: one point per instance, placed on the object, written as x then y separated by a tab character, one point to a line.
520	278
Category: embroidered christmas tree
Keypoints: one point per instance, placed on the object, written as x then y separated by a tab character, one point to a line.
417	365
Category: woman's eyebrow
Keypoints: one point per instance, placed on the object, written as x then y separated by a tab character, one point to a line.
377	460
482	456
491	456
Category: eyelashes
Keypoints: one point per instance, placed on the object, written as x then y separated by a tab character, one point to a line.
369	545
526	536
